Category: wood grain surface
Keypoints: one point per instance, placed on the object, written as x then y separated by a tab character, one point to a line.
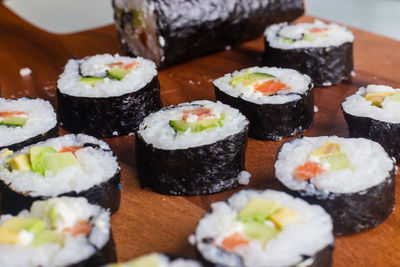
148	221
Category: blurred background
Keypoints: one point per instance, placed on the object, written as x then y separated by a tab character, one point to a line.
66	16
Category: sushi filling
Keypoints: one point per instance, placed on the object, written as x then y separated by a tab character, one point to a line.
156	260
52	231
13	118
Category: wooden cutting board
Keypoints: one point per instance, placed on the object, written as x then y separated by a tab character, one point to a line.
147	221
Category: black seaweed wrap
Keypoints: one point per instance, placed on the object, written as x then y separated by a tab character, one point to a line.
197	170
53	132
385	133
274	121
325	65
191	28
106	195
108	116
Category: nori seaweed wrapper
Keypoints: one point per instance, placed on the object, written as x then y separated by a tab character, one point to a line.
274	121
384	133
179	30
198	170
53	132
108	116
325	65
106	195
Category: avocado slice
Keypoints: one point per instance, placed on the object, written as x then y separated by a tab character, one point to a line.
56	162
37	154
283	217
35	226
137	18
14	121
249	78
377	98
259	231
91	80
117	73
258	210
326	149
395	96
198	126
21	162
8	236
48	236
150	260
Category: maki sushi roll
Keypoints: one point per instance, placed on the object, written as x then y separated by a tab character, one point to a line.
71	165
107	95
322	51
156	260
192	148
352	178
174	31
265	228
26	121
374	113
278	102
62	231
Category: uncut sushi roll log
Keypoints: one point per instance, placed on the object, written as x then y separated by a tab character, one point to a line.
278	102
374	113
72	165
26	121
352	178
62	231
192	148
322	51
156	260
175	31
265	228
107	95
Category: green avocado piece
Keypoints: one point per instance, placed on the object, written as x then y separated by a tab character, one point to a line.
21	162
8	236
337	162
91	80
258	210
288	40
117	73
250	77
150	260
137	18
14	121
37	154
198	126
56	162
35	226
395	96
259	231
48	236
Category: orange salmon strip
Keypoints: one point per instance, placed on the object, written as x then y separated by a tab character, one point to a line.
201	113
72	149
308	170
81	227
122	65
12	113
230	242
317	29
270	87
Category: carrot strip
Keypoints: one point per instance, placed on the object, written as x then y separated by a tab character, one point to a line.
270	87
201	113
12	113
308	170
72	149
229	243
122	65
81	227
317	29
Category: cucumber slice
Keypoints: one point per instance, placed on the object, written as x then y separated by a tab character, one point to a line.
260	231
195	127
117	73
14	121
91	80
36	154
249	78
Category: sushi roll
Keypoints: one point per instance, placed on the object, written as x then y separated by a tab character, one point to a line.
352	178
374	113
26	121
278	102
62	231
156	260
322	51
192	148
107	95
265	228
176	31
71	165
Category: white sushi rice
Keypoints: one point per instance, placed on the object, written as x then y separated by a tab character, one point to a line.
336	35
298	83
95	167
41	119
155	128
69	82
371	165
306	237
357	105
74	250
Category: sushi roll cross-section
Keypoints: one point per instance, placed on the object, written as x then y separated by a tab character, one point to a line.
278	102
62	231
352	178
73	165
322	51
156	260
106	95
26	121
192	148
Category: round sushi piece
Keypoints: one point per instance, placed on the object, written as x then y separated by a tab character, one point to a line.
265	228
374	113
156	260
71	165
322	51
26	121
192	148
62	231
107	95
278	102
352	178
